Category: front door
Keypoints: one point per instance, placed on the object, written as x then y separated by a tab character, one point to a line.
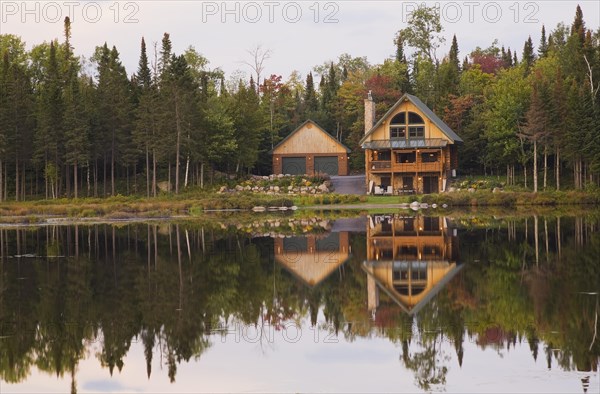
407	184
431	184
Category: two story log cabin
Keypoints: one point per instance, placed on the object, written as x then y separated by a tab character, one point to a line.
409	150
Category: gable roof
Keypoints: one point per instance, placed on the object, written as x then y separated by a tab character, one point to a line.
432	292
424	109
300	128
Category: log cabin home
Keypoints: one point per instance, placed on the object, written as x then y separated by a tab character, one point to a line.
409	150
410	259
310	150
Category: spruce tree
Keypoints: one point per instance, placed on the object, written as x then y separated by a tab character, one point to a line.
310	97
528	55
543	48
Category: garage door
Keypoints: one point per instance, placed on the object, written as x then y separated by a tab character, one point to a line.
326	164
294	165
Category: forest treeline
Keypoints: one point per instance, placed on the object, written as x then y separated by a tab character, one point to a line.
74	127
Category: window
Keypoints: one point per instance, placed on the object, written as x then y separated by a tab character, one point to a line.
397	132
408	157
414	118
416	132
402	120
399	119
431	223
430	157
383	155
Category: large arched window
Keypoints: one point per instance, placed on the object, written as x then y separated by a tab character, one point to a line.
416	126
398	126
407	121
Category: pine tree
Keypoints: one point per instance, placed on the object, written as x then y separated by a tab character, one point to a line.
310	97
146	122
543	48
76	125
50	112
528	55
453	55
578	26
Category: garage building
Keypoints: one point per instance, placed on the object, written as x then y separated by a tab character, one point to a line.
309	150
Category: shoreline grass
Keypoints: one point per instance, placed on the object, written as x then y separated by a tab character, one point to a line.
124	207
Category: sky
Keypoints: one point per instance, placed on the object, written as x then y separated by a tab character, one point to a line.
299	34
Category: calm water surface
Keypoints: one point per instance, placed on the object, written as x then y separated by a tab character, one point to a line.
386	302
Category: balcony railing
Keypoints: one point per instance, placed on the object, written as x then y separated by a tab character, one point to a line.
381	165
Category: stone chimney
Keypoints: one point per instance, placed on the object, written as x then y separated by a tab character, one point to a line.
369	112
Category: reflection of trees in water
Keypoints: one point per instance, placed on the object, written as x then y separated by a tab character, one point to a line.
170	286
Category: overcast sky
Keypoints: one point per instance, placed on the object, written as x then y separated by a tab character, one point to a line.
300	34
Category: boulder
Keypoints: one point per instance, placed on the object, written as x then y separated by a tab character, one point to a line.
259	209
496	190
471	190
424	205
164	186
434	205
222	189
323	188
451	189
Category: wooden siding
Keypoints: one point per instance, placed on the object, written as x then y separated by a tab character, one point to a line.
383	131
310	139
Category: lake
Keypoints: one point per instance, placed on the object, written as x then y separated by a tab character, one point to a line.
304	302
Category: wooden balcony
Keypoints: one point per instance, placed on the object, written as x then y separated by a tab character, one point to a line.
418	166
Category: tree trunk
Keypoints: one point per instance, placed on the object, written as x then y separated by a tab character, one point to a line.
112	165
17	179
153	173
1	180
169	177
147	172
88	178
202	175
75	179
68	180
104	183
177	143
187	170
525	174
557	165
545	166
535	174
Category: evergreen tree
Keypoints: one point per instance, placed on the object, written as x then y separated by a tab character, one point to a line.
49	131
528	55
310	96
543	48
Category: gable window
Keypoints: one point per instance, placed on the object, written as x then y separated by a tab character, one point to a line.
407	121
414	118
398	126
416	132
397	132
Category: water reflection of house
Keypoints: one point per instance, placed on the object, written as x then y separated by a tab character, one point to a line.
312	258
409	258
